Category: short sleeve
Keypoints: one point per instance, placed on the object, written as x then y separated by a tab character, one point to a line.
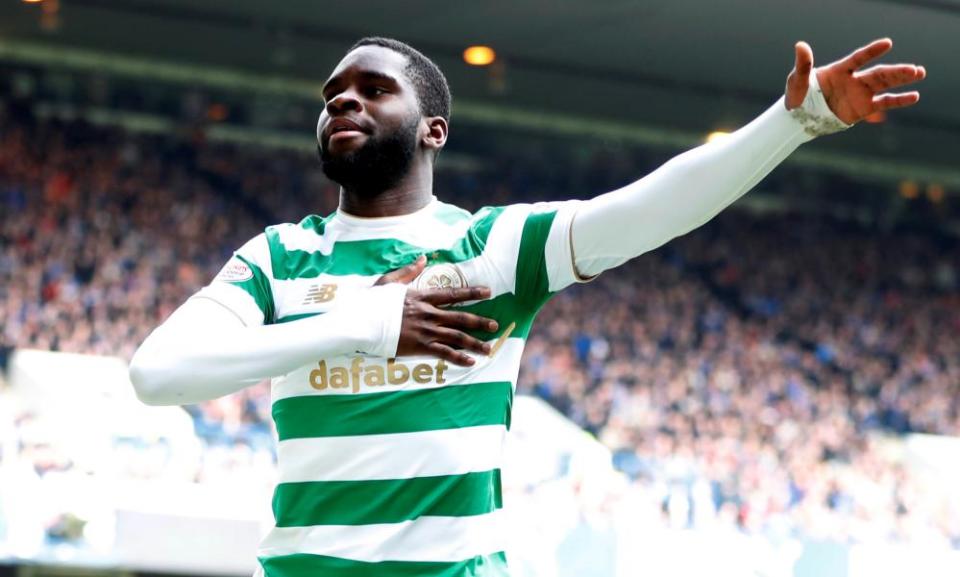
244	284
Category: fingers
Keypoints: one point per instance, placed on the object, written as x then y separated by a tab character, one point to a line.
798	82
888	101
437	331
884	76
438	297
865	54
466	321
461	340
804	58
404	274
445	352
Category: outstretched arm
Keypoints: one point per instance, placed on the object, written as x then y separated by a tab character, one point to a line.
693	187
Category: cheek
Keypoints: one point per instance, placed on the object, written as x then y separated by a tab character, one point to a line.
320	120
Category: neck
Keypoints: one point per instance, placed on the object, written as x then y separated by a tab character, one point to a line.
409	195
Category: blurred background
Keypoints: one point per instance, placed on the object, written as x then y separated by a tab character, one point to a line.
774	394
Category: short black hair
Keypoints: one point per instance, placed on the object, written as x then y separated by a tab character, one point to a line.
433	92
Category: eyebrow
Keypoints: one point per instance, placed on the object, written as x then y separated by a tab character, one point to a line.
365	74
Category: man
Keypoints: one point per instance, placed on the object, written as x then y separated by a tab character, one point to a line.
392	399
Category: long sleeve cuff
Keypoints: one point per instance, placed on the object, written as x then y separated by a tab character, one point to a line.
385	317
814	113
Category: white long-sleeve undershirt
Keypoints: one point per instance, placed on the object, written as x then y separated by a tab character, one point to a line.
693	187
204	350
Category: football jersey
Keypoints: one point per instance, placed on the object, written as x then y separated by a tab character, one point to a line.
391	467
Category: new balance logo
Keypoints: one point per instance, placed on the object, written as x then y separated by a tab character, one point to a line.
323	293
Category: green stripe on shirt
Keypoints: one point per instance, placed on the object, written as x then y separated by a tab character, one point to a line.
258	287
408	411
369	502
374	256
304	565
532	281
504	309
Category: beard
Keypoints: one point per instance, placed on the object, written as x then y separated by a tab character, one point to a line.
377	165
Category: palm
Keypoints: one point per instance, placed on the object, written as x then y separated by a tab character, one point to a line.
854	94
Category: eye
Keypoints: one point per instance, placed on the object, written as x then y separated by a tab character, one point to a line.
376	90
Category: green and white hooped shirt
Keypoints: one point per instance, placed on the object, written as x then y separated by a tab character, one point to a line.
391	467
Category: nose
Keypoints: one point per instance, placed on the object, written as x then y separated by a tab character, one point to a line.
346	100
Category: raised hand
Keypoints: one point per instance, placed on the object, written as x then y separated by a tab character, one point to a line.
428	329
853	94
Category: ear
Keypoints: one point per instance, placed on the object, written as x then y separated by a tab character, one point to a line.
436	134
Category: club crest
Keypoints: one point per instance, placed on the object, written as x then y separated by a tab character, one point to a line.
445	275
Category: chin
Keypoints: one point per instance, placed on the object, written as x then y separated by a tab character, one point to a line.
342	148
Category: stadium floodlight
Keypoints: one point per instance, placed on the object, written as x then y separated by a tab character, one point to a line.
479	55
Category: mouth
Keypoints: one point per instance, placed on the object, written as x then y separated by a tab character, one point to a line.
344	134
342	129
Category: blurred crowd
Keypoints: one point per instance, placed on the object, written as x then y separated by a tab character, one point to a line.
749	375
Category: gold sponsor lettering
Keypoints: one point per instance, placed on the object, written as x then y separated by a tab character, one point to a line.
339	378
422	373
375	374
355	372
441	366
397	374
318	377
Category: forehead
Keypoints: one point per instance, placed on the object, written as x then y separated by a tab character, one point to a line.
372	59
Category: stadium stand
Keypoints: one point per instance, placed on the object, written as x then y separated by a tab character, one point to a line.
749	376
